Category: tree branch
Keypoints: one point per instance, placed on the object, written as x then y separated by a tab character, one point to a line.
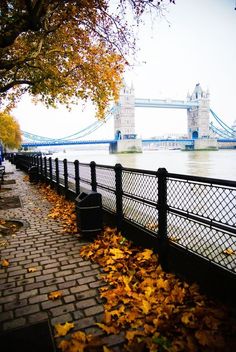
15	83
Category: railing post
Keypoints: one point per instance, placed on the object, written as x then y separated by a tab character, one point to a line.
37	164
57	175
77	178
50	169
45	168
162	217
65	176
93	176
41	168
119	193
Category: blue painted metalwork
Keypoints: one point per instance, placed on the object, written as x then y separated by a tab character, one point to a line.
61	142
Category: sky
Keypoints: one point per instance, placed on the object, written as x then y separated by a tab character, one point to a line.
194	42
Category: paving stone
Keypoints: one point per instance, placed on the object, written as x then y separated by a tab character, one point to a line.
6	316
86	303
15	304
86	280
37	317
65	308
38	298
61	319
51	304
85	323
77	289
29	309
94	310
16	323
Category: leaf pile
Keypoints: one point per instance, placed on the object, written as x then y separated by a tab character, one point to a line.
62	209
80	341
156	310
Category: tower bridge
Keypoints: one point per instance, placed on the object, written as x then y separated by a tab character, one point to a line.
201	133
198	116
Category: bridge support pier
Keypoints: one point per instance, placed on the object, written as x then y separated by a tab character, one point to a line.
126	146
205	144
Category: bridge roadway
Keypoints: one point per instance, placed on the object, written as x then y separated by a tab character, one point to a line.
107	141
112	141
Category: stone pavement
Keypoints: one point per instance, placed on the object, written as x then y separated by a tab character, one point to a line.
41	244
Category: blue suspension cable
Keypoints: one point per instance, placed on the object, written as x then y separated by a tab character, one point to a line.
222	123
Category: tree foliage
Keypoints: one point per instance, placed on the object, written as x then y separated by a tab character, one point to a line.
10	134
62	50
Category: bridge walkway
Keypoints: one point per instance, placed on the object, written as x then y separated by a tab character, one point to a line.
42	244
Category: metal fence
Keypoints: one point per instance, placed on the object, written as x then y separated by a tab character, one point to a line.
195	213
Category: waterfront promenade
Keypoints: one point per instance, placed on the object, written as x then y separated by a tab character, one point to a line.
41	244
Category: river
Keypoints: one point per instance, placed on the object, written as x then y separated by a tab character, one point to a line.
217	164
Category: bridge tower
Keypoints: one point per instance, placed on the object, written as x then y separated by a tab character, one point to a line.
124	124
199	119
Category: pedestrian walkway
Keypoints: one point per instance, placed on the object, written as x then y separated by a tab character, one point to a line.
41	244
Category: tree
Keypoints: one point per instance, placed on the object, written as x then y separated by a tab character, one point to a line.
10	134
62	50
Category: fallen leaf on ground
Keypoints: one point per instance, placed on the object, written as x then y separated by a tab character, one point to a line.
54	295
32	270
62	329
229	251
4	263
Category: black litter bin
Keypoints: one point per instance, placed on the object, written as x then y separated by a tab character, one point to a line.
33	174
89	213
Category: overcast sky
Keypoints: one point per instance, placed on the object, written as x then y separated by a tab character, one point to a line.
194	43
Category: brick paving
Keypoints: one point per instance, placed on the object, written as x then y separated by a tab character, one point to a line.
42	244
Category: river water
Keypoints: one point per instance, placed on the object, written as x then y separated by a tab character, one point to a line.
217	164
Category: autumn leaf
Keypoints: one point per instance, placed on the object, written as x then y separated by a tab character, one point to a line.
80	336
62	329
145	305
64	345
4	263
132	333
116	253
145	255
54	295
229	251
188	318
107	329
106	349
32	270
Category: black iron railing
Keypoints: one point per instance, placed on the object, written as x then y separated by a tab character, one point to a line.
196	214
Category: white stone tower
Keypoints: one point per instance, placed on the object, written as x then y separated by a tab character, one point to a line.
124	124
199	116
124	118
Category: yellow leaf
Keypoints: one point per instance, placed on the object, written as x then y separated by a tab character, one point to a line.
145	306
54	295
117	253
4	263
64	345
149	291
132	333
32	270
187	318
106	349
229	251
62	329
145	255
79	335
107	329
